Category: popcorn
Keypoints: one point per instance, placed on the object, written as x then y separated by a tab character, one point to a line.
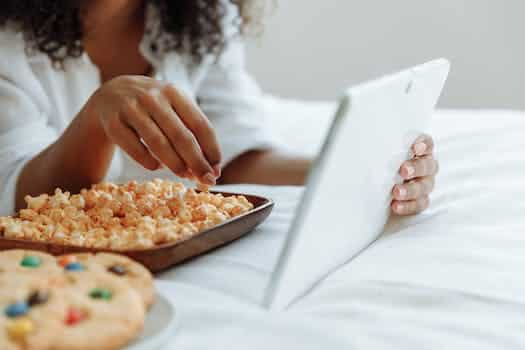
161	212
56	214
28	214
36	203
184	215
13	230
59	200
78	201
122	217
203	187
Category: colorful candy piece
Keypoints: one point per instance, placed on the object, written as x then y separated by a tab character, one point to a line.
74	266
37	298
74	316
19	328
118	270
66	260
16	309
101	293
31	261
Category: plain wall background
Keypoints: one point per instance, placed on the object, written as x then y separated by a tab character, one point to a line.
312	49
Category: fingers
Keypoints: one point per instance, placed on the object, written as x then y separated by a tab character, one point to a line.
410	207
154	138
157	125
412	197
423	145
196	121
414	189
127	139
217	170
180	137
419	167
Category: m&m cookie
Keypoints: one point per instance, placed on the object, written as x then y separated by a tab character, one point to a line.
29	314
68	303
95	304
121	267
25	263
6	342
131	272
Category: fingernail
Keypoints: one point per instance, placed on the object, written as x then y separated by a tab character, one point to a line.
410	170
217	170
209	179
420	148
401	192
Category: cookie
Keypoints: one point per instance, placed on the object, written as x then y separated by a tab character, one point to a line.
6	343
29	314
74	302
123	268
136	275
25	263
80	262
101	313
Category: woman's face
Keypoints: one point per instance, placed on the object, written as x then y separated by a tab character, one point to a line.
113	7
114	13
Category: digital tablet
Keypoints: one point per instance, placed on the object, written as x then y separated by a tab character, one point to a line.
347	199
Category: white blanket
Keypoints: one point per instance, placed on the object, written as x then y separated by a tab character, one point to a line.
449	278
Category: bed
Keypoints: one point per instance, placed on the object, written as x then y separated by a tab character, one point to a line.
449	278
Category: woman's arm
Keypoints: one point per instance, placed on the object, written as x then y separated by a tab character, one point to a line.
154	123
267	167
79	158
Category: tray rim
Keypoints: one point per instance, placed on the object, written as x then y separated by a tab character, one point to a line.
266	203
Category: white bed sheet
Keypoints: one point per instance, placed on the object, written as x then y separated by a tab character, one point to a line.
449	278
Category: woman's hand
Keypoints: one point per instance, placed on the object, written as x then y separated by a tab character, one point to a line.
419	174
155	123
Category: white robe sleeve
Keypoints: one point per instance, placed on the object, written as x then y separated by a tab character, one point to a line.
24	129
232	101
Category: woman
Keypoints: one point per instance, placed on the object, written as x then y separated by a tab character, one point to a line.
86	87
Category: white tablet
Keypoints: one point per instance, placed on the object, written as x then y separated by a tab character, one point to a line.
346	203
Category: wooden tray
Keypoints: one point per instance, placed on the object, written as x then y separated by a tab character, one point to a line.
167	255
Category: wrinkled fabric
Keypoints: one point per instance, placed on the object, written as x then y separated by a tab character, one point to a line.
449	278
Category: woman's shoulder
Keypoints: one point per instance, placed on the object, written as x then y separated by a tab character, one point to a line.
14	59
12	42
16	72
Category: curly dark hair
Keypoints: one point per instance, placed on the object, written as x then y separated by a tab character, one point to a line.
55	27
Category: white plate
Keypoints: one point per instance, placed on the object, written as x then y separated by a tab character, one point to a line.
161	326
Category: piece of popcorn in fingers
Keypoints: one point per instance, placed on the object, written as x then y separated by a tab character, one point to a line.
203	187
